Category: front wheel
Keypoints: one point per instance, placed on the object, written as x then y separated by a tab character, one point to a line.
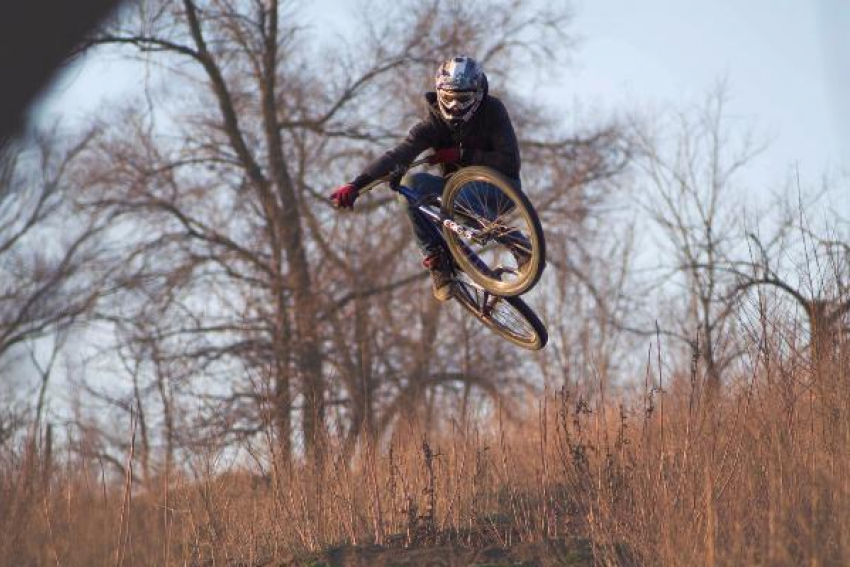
492	231
510	317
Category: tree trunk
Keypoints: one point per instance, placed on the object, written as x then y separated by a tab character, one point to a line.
305	304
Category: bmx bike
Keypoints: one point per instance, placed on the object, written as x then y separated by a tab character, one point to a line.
496	244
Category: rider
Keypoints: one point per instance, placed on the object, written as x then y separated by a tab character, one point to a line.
465	125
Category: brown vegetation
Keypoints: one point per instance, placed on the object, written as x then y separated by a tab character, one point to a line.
655	477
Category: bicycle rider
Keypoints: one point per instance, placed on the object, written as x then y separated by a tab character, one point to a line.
464	125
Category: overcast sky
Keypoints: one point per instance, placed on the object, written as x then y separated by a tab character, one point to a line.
787	63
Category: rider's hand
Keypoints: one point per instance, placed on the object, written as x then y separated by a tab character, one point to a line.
344	196
444	155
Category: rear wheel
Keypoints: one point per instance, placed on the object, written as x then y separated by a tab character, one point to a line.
510	317
493	231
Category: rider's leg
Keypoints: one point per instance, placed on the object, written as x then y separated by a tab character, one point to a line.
485	201
428	238
423	184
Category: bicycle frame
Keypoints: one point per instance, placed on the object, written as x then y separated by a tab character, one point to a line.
441	219
437	219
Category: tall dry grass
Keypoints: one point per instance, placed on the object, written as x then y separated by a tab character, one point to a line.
664	475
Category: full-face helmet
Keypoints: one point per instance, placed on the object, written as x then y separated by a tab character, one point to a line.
461	86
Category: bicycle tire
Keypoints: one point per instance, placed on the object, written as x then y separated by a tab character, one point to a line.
533	335
483	260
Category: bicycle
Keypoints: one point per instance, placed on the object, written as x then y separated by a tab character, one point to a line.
496	243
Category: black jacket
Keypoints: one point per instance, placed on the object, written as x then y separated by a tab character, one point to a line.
488	139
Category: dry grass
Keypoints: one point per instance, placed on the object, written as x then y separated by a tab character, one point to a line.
758	476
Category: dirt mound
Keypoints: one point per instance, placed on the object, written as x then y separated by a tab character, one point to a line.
543	554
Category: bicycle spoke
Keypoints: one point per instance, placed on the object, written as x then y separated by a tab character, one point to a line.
508	317
507	234
510	320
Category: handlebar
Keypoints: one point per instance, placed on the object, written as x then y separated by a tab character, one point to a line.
398	173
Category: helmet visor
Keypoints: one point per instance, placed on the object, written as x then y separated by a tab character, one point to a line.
456	100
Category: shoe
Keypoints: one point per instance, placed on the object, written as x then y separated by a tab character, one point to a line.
442	277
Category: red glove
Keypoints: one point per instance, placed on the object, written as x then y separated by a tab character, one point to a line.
344	196
445	155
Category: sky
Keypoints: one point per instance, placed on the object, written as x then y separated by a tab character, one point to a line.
786	63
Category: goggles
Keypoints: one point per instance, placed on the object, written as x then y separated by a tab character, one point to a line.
456	100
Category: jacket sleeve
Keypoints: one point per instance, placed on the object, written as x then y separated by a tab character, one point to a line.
504	156
419	139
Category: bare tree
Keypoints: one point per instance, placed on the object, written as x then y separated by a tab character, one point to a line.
821	292
50	259
237	268
694	177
